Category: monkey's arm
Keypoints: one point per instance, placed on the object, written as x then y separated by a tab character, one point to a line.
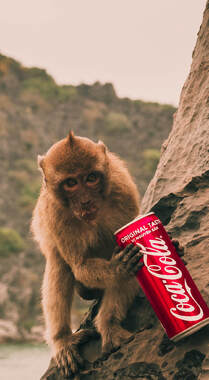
58	289
100	273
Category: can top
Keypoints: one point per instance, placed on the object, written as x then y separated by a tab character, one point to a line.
128	224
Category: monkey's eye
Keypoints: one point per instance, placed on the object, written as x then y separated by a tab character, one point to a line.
70	184
93	178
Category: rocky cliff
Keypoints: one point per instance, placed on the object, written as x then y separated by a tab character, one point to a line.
179	194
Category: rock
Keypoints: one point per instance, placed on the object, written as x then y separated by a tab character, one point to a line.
8	331
179	194
37	333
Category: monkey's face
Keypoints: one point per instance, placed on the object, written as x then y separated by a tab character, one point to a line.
85	193
75	173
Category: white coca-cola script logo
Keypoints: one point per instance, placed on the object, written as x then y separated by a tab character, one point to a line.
181	293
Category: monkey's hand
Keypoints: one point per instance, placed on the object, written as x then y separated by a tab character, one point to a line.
127	260
179	248
67	356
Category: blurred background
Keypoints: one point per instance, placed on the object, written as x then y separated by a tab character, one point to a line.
109	70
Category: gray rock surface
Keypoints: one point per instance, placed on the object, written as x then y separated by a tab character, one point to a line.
179	194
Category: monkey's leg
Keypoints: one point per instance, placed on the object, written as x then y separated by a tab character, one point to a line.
116	278
115	304
58	288
118	298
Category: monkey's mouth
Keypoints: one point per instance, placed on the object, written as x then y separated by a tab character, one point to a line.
89	216
88	213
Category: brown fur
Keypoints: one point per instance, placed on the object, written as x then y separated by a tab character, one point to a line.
78	248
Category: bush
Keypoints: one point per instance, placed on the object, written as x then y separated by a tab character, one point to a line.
10	65
66	93
151	159
36	72
49	90
29	323
10	242
99	92
116	123
29	194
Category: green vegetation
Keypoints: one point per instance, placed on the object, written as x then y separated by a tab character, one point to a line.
28	165
117	123
10	242
29	194
49	89
104	93
151	159
28	324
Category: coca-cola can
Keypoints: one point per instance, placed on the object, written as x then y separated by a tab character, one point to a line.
164	278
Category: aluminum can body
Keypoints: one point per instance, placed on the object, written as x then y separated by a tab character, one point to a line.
164	278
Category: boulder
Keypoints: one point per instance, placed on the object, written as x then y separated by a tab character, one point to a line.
179	195
8	331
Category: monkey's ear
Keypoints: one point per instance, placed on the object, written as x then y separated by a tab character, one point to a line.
40	160
71	138
102	146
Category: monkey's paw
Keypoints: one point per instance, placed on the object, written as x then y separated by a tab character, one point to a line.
127	260
67	357
115	339
68	360
179	248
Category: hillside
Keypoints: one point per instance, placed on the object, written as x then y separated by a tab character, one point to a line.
34	113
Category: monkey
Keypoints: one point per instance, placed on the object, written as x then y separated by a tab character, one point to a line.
87	193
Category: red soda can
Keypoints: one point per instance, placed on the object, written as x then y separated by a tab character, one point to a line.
164	278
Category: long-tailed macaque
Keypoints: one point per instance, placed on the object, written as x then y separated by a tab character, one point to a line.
86	195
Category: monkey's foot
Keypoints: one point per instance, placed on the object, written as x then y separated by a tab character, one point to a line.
114	339
67	357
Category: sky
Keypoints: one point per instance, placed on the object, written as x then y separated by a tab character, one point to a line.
143	47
